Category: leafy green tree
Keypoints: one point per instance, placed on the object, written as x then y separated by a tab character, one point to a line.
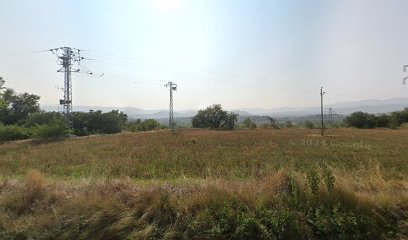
229	121
2	82
215	118
80	123
113	121
383	121
15	108
248	123
361	120
97	122
398	118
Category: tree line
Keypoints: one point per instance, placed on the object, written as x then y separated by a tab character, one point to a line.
366	120
22	118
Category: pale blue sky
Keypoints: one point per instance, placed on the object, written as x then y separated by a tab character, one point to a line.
239	53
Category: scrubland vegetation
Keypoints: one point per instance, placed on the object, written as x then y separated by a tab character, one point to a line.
269	181
203	184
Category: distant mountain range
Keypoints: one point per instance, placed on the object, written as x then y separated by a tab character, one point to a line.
344	108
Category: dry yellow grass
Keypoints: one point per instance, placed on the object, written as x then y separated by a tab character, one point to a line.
191	183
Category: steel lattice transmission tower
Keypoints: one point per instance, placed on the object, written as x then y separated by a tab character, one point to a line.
331	115
173	87
69	59
404	80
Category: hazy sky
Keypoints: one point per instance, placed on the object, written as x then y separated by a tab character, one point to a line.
239	53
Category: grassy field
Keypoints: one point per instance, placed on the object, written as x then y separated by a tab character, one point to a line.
201	184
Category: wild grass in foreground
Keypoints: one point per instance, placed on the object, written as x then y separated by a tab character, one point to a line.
277	206
205	154
281	184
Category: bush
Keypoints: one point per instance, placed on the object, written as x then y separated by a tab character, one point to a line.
57	128
13	132
95	122
309	125
248	123
41	118
146	125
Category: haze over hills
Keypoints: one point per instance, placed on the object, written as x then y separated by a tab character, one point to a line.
371	106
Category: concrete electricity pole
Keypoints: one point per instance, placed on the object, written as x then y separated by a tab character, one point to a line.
173	87
321	109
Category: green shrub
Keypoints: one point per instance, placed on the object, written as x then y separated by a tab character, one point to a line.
313	180
149	125
13	132
41	118
248	123
309	125
145	125
57	128
328	179
337	222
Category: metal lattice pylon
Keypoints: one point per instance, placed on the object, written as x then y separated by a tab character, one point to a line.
173	87
69	59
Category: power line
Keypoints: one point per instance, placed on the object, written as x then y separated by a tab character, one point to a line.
23	54
199	75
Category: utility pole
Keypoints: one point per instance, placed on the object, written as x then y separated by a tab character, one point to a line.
173	87
321	109
404	80
69	59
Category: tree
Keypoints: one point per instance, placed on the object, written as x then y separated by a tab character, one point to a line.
15	108
215	118
361	120
248	123
398	118
13	132
229	122
309	125
383	121
56	128
272	122
2	82
42	118
113	121
98	122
